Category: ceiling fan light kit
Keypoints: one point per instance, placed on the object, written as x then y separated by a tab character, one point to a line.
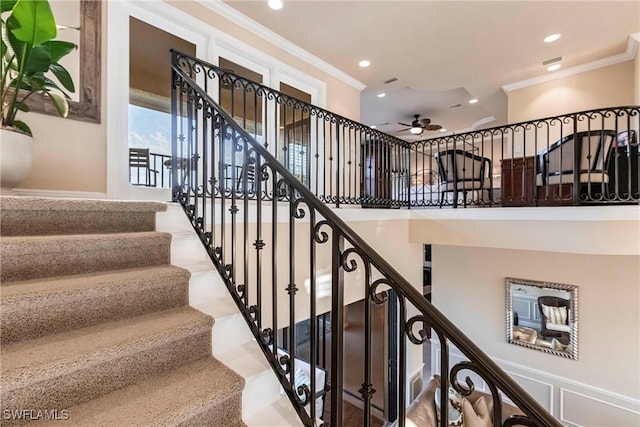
418	126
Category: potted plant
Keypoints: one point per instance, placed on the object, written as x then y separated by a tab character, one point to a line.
30	65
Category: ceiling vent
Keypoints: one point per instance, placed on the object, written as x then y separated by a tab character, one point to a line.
391	80
552	61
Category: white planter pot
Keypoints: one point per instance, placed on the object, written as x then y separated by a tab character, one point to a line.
16	152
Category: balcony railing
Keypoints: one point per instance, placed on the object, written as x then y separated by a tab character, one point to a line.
589	157
286	257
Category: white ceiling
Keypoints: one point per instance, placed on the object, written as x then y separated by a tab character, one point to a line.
447	52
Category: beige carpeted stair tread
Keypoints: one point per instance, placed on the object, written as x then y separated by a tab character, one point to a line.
27	257
204	393
34	308
22	216
22	203
67	350
58	371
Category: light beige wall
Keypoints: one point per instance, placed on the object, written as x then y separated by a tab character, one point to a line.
469	287
610	86
70	155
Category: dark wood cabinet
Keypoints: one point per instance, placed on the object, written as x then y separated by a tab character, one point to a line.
519	181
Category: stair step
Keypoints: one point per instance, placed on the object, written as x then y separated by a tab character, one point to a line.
28	216
278	414
203	393
262	388
230	329
61	370
33	257
34	308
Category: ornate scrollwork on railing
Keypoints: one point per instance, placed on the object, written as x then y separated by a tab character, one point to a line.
379	297
408	329
318	235
224	227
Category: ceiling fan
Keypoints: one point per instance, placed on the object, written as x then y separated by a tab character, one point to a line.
418	125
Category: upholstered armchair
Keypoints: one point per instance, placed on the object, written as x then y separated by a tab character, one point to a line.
462	171
554	314
578	159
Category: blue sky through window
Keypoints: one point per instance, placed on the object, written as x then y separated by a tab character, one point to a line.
149	129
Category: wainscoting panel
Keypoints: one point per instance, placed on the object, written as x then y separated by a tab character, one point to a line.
581	410
573	403
540	390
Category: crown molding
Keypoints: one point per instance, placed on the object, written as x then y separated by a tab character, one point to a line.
260	30
627	55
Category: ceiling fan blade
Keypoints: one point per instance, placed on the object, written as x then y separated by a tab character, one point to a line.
433	127
404	124
425	121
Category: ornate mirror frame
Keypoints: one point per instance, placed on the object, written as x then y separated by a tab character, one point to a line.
87	108
522	294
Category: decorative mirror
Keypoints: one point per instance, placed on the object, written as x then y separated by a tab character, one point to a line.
543	316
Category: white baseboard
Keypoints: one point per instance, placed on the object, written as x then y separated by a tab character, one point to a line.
57	193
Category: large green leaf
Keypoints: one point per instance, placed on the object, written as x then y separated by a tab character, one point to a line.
58	49
22	126
39	61
61	104
22	106
32	22
7	5
35	81
3	49
53	85
63	76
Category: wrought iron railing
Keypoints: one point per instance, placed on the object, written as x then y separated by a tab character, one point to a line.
589	157
286	257
340	160
345	162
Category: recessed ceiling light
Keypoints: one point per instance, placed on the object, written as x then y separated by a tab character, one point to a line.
443	130
554	67
552	38
364	63
473	101
382	95
372	126
275	4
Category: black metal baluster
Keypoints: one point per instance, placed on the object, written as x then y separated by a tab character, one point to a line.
274	264
348	200
367	389
233	210
330	171
259	243
337	327
292	290
313	332
245	225
317	156
402	361
222	170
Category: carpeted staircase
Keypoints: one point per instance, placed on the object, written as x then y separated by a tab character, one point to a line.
96	329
